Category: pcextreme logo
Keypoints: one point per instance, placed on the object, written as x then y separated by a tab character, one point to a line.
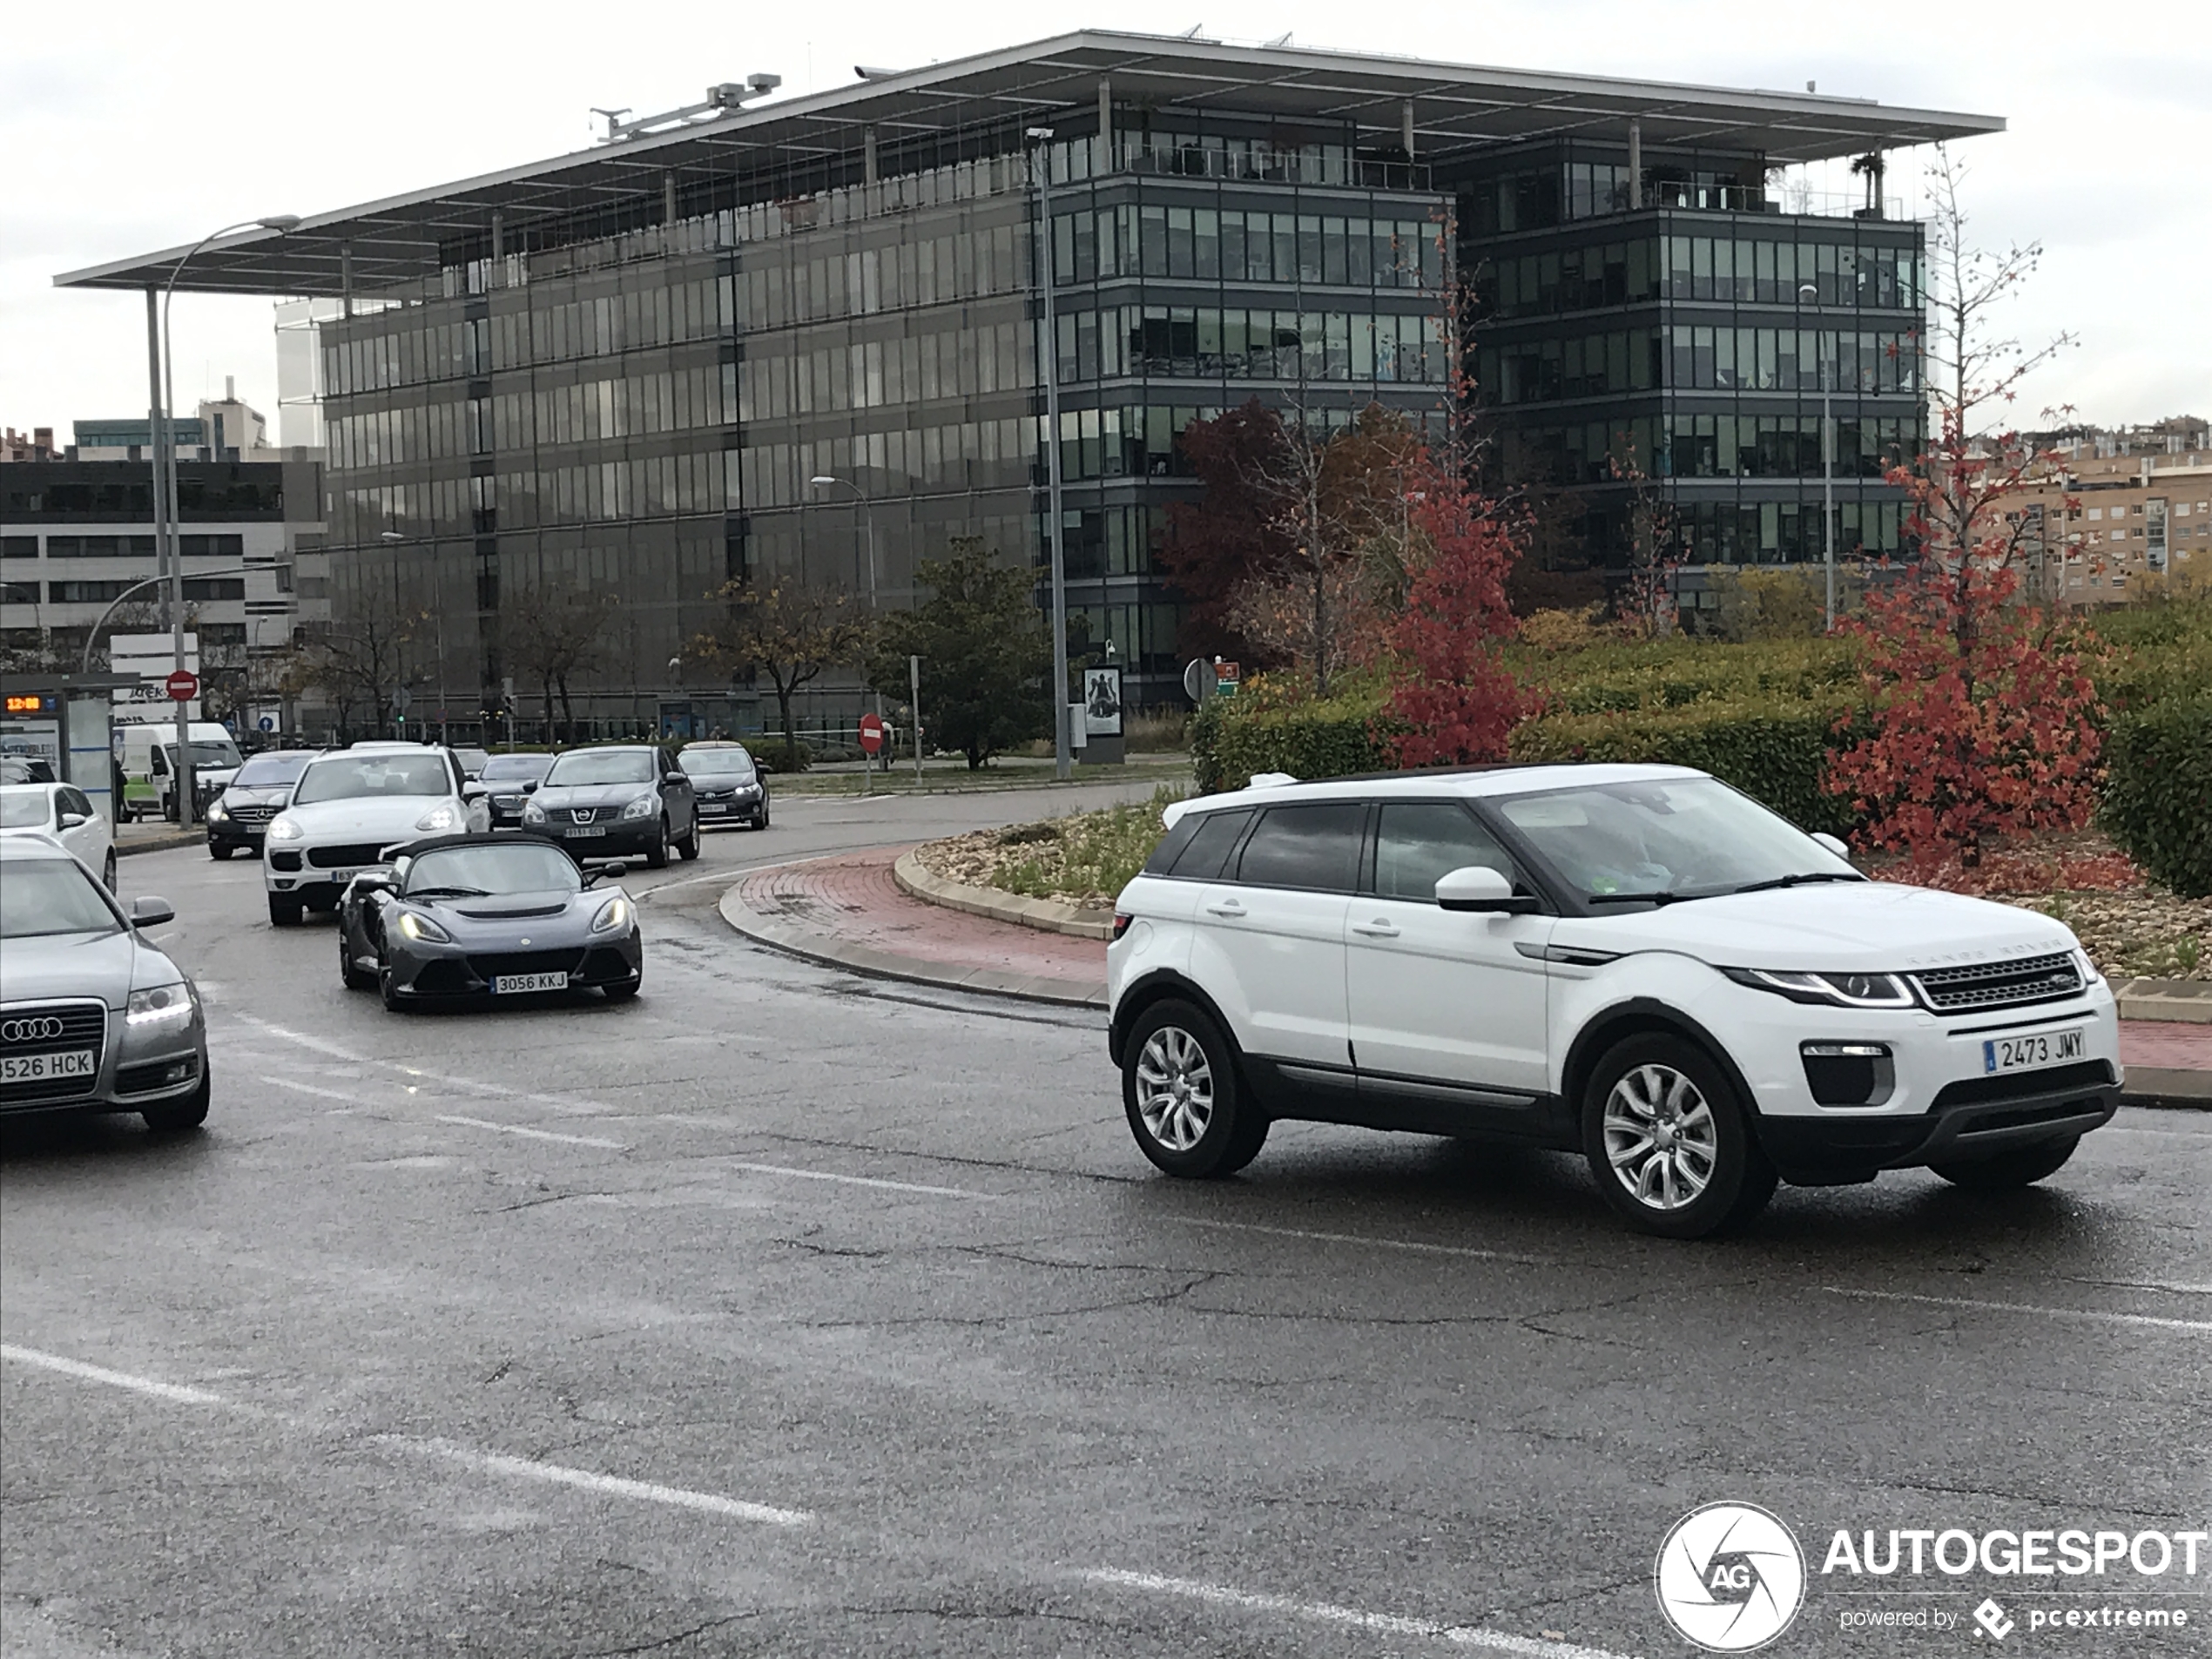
1730	1577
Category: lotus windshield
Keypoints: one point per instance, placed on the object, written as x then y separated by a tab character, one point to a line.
1680	838
480	871
715	763
602	766
40	897
23	807
373	777
272	771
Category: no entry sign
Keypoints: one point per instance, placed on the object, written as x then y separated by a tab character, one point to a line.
184	685
872	734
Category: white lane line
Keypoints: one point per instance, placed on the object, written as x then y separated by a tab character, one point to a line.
1463	1636
303	1039
859	1180
1466	1251
520	1468
176	1393
533	1134
2098	1315
309	1088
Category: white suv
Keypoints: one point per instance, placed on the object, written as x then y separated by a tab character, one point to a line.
1633	962
349	805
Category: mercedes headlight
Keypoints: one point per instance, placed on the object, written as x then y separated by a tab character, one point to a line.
284	829
215	812
160	1005
644	806
1832	990
444	816
421	927
613	914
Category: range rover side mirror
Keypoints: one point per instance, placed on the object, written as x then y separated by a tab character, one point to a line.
1478	887
149	911
1832	844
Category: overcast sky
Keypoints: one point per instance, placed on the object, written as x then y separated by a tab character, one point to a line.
145	126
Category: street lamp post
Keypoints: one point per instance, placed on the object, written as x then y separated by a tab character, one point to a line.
165	475
823	480
1049	366
1809	294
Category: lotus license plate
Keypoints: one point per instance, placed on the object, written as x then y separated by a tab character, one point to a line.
2031	1050
584	830
521	984
42	1068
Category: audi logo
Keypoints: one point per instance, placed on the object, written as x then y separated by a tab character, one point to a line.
40	1029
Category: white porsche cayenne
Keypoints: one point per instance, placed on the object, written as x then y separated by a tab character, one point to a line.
1638	963
348	807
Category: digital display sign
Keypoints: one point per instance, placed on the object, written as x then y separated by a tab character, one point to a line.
33	703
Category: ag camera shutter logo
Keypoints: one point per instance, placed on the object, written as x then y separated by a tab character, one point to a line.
1730	1577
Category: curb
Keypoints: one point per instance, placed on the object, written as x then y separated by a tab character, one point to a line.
2186	1001
806	943
2168	1087
161	843
1048	915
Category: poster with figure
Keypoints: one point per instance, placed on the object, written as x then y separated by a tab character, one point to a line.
1102	702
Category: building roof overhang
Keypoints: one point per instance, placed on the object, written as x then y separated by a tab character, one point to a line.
1458	110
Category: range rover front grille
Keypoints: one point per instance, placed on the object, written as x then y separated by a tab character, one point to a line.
2000	985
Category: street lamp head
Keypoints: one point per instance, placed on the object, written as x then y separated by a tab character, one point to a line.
1038	135
280	223
390	536
824	481
1807	293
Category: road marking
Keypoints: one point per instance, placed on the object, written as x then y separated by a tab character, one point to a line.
175	1392
304	1041
533	1134
646	1491
2099	1315
860	1181
1360	1238
1463	1636
309	1088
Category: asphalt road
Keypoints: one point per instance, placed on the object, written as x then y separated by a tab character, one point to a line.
786	1312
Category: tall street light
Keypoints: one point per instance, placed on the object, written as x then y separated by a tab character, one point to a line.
867	525
165	475
1048	366
1809	294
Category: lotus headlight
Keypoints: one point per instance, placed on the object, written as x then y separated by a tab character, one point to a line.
1833	990
613	914
644	806
284	829
160	1005
444	816
421	927
533	814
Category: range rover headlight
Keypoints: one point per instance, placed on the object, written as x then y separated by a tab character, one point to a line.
1830	990
284	829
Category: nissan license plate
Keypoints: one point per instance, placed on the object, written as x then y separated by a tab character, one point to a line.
589	829
521	984
2031	1051
41	1068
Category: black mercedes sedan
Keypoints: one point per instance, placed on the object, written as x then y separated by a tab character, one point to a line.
486	916
617	801
238	820
507	783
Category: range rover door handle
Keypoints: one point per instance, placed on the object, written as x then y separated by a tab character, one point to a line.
1228	907
1376	929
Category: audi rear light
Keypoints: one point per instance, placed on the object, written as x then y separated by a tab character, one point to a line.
1122	920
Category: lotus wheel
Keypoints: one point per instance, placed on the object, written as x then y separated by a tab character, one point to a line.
1668	1141
1184	1099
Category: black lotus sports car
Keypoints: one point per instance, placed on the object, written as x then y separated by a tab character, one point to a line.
486	916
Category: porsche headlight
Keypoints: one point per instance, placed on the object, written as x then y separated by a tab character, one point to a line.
644	806
160	1005
284	829
1833	990
421	927
444	816
613	914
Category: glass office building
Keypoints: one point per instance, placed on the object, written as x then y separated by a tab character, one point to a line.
810	338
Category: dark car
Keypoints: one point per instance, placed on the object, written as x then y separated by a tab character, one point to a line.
506	783
486	915
617	801
729	786
238	820
472	760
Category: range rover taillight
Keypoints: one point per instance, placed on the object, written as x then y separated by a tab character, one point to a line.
1122	920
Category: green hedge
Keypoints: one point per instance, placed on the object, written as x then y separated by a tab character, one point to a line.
2157	799
1231	740
1774	756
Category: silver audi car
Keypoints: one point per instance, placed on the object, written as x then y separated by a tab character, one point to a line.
93	1018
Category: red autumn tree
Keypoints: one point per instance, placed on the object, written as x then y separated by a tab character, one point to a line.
1454	698
1215	544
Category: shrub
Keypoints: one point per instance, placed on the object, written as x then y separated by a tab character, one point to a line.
1563	631
779	756
2153	651
2158	791
1271	728
1086	855
1778	756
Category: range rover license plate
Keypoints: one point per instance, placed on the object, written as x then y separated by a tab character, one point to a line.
2031	1050
521	984
40	1067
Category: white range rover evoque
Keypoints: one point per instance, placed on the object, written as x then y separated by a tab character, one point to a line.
1637	963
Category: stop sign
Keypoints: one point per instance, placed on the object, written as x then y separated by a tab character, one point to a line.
872	734
184	685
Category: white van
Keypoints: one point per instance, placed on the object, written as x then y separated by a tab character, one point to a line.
146	756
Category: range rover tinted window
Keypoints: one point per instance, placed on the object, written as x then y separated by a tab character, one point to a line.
1314	847
1209	848
1418	840
1171	844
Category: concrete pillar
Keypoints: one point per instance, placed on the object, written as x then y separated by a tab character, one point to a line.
1105	125
345	278
1636	162
1405	124
668	198
498	234
868	155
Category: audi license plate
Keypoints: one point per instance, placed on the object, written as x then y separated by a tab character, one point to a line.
41	1068
589	829
520	984
2031	1050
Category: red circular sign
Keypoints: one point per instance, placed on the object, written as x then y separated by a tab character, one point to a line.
184	685
872	732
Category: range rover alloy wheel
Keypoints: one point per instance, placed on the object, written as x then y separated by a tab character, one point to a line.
1671	1145
1185	1101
